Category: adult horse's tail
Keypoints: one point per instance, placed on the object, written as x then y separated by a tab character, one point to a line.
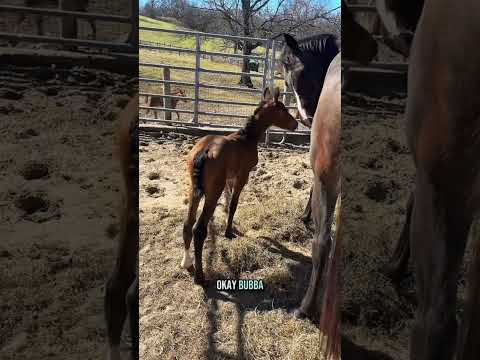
468	345
330	316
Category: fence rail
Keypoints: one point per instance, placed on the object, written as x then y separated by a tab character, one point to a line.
375	66
69	31
267	76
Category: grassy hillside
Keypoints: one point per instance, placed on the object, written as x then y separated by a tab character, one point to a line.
184	41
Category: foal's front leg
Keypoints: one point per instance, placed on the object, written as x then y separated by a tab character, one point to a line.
240	182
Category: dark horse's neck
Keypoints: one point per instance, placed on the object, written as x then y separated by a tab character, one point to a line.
253	130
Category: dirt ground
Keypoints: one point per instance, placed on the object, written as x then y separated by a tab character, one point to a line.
59	193
379	175
178	320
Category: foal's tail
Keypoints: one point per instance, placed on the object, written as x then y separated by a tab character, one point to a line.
197	172
330	316
468	345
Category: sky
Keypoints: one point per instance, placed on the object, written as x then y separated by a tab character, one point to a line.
330	4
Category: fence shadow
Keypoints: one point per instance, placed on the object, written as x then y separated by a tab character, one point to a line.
285	294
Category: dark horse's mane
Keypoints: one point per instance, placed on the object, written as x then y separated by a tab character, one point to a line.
319	44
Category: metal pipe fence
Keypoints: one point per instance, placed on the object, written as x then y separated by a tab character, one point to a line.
226	107
66	16
374	66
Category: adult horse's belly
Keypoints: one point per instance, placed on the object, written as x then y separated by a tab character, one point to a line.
443	109
325	135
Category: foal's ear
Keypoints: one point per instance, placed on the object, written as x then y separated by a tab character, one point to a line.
267	95
276	94
292	44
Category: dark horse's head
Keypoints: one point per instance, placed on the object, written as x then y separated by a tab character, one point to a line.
305	65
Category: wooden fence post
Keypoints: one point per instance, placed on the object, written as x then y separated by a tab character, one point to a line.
265	64
133	36
167	101
197	78
271	84
69	23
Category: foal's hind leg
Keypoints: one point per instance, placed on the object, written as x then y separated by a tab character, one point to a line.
240	182
200	231
187	230
397	265
307	213
439	230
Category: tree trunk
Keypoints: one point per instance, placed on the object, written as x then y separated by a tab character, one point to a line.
245	79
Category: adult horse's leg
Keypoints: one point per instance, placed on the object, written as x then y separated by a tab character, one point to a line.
439	230
119	283
200	231
397	265
193	203
323	207
133	303
307	213
468	345
237	189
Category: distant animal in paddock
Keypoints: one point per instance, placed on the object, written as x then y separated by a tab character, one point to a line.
70	5
443	134
122	288
158	101
224	162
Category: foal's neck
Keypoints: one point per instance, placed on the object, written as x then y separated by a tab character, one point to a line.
254	129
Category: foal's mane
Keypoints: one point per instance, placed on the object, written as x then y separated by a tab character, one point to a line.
250	124
319	43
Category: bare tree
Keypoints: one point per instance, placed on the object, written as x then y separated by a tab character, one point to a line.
263	18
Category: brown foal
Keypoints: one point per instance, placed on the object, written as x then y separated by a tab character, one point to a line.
216	162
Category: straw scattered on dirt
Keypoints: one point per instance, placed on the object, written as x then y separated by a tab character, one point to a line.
59	194
379	175
178	320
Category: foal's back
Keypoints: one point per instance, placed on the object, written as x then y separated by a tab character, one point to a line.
226	155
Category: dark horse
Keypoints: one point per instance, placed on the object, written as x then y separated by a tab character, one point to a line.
220	162
306	63
122	288
443	132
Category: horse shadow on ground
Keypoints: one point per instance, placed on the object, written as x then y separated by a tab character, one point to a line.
285	296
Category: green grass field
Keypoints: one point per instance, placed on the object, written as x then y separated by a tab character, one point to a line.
183	41
188	60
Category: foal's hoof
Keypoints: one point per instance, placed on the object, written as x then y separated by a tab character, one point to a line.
299	314
305	219
230	235
393	273
199	279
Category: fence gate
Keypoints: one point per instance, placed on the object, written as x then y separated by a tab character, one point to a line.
199	85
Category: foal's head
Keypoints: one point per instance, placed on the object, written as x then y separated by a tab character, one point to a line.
180	92
273	112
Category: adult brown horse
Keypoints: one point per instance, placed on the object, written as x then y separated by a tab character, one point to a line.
303	71
122	288
218	162
443	132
